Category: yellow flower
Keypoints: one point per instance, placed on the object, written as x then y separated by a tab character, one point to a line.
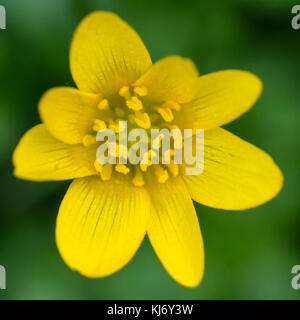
108	209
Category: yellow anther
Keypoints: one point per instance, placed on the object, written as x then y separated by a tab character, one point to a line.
166	113
142	119
134	103
99	125
138	179
103	104
172	105
98	166
119	112
161	174
97	128
144	166
173	168
125	92
106	172
122	168
88	140
140	91
113	126
146	161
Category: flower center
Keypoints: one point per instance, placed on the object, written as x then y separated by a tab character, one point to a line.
133	105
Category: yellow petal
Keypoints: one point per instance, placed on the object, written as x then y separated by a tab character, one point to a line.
171	78
68	113
174	231
237	175
221	97
101	225
41	157
106	54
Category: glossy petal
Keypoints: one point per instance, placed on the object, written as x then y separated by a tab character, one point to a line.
237	175
221	97
106	53
174	231
41	157
68	113
100	225
172	78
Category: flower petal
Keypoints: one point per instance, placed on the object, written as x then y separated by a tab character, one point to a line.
174	231
237	175
221	97
171	78
68	113
101	225
40	157
106	53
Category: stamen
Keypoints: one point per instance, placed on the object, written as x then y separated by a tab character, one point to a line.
173	168
138	179
134	103
98	166
89	140
140	91
166	113
146	161
103	105
113	126
125	92
99	125
122	168
112	118
161	174
143	120
106	172
144	166
172	105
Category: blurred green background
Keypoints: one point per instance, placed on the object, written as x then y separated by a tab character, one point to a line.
249	255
